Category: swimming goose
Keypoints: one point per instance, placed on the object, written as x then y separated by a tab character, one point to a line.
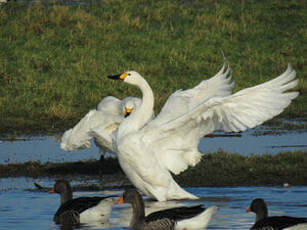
80	210
194	217
264	222
99	125
149	150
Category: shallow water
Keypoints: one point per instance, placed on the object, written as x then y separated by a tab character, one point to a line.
47	148
22	207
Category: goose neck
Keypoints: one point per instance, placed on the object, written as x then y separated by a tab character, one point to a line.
66	196
138	212
261	215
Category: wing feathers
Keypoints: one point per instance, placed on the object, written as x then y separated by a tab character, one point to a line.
245	109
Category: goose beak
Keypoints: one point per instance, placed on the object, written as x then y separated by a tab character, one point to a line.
51	190
118	76
119	201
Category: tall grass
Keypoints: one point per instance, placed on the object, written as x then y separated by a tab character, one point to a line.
54	59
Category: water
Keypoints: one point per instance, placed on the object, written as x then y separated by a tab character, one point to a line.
47	148
22	207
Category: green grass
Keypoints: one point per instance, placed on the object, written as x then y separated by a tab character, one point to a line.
222	168
54	59
215	169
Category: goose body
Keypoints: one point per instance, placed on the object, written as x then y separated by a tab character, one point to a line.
264	222
194	217
99	124
150	150
80	210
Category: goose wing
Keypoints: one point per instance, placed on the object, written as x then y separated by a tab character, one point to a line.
279	222
176	214
79	204
162	224
175	142
69	217
182	101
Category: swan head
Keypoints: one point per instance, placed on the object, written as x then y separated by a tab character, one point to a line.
129	104
130	77
128	108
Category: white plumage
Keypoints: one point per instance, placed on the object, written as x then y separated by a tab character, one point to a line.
98	124
149	150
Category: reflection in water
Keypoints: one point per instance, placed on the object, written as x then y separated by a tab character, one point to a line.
23	208
85	226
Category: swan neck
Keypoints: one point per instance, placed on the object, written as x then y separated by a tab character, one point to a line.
147	104
138	119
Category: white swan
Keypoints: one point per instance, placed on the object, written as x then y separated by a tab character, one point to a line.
149	151
99	124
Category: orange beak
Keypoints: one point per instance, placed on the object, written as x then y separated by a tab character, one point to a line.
51	190
120	200
248	210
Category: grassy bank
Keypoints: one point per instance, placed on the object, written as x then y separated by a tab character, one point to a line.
54	59
215	169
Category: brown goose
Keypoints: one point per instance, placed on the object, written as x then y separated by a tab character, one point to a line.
167	219
82	209
264	222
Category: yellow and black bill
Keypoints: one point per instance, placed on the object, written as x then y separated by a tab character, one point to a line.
118	76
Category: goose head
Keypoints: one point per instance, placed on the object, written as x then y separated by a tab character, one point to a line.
259	207
63	188
130	196
130	77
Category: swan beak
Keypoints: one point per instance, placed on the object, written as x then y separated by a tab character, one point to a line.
248	210
120	200
127	112
118	76
51	190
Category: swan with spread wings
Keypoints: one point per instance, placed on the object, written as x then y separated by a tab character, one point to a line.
99	124
150	150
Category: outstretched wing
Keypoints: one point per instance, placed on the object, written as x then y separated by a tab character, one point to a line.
182	101
103	131
175	142
104	118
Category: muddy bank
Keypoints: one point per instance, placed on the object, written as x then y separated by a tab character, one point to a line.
215	169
